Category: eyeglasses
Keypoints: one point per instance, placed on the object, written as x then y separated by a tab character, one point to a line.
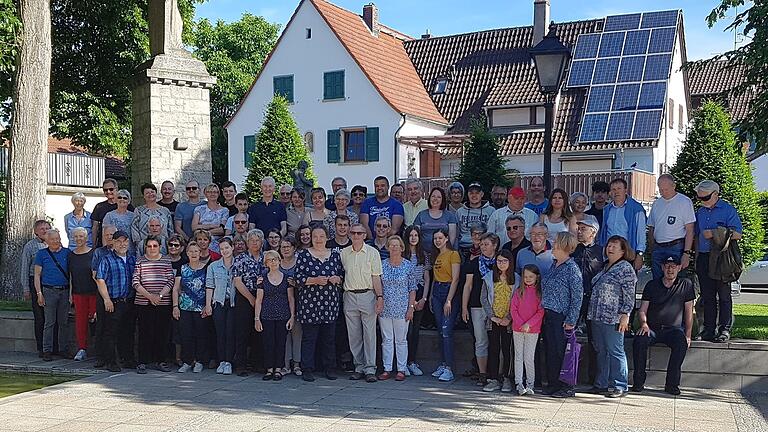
170	245
241	222
191	188
152	246
108	190
358	194
502	261
274	237
122	198
284	193
706	197
382	226
514	227
357	232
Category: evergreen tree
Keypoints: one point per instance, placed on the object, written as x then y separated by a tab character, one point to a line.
482	161
712	152
279	148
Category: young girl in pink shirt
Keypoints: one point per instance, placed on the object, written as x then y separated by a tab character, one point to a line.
527	315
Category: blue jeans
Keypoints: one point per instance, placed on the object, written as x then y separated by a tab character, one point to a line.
660	254
611	360
444	323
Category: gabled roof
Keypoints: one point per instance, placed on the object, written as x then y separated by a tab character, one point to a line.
714	80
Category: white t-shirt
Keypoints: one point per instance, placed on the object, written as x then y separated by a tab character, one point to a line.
669	217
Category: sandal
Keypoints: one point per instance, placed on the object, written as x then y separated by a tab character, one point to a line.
268	376
297	371
277	376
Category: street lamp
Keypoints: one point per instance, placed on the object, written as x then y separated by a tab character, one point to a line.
549	59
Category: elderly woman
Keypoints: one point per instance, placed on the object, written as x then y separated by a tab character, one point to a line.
613	297
240	244
176	247
359	193
318	281
318	212
189	308
246	269
153	280
220	302
211	217
296	212
78	217
561	299
121	218
82	288
151	209
558	216
579	202
341	199
274	314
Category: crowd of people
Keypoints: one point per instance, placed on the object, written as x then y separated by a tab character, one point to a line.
305	283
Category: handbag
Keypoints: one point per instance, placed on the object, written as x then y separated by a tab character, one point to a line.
569	371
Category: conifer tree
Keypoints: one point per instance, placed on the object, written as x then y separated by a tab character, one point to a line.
482	161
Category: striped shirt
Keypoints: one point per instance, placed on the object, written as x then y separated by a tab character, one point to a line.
154	276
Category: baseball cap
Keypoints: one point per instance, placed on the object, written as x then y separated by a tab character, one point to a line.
591	222
474	185
517	192
672	259
118	234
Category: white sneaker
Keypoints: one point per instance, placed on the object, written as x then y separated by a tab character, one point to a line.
407	371
81	355
529	391
228	368
439	371
492	386
285	371
447	375
520	389
184	368
507	386
415	369
220	369
198	367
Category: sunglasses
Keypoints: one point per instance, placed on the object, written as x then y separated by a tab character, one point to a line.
170	245
285	193
191	188
705	198
357	232
515	227
108	189
122	198
358	194
241	222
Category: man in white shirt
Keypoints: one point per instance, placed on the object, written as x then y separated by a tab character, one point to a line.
416	202
671	223
514	207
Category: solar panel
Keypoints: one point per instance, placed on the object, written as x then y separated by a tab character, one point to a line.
657	67
625	97
593	127
659	19
620	126
662	40
581	73
622	22
647	125
586	46
611	44
631	69
637	42
652	95
605	71
600	98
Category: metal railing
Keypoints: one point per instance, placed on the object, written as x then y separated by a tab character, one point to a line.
68	169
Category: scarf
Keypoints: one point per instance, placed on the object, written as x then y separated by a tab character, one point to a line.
486	264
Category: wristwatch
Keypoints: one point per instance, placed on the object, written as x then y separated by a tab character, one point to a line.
639	253
379	296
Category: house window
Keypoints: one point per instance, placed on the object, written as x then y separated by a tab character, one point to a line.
309	33
354	145
359	145
283	86
440	86
249	146
680	120
333	85
671	113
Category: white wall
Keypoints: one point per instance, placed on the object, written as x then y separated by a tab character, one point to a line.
760	172
671	140
58	202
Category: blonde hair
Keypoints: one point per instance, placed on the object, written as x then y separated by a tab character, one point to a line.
566	242
271	254
398	240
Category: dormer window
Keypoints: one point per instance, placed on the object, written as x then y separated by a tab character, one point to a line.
440	86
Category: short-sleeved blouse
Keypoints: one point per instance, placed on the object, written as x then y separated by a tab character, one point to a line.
397	283
192	288
212	217
317	304
274	304
248	268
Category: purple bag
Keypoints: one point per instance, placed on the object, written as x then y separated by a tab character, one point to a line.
569	371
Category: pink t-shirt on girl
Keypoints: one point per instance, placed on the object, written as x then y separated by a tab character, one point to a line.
526	309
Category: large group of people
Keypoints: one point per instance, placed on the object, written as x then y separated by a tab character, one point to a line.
281	287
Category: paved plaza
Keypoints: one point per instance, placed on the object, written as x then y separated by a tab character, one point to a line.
209	402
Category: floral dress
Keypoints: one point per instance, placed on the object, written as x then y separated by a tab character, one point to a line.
317	304
397	283
192	289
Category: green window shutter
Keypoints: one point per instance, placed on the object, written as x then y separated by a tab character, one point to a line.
333	85
372	144
334	147
283	85
249	146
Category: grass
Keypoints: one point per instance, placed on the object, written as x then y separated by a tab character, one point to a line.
11	384
750	321
15	305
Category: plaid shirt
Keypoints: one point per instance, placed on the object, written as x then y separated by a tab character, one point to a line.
117	274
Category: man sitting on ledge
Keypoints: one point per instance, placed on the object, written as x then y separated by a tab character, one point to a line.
666	316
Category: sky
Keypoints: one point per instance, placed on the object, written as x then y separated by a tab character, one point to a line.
446	17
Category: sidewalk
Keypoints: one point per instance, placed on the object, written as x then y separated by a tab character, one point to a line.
194	402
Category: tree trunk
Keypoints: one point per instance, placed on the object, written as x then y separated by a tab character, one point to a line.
27	179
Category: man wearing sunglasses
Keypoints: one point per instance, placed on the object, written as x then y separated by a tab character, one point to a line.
497	223
515	225
182	218
109	187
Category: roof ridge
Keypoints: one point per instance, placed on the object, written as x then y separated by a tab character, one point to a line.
558	24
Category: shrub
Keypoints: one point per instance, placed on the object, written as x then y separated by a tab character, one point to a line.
482	161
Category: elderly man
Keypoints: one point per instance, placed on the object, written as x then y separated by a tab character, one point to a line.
589	257
498	197
285	194
27	277
516	235
167	189
52	289
397	191
185	211
414	189
666	316
240	225
99	253
515	207
537	200
671	223
268	213
109	186
381	205
539	253
714	214
228	194
336	184
363	301
625	218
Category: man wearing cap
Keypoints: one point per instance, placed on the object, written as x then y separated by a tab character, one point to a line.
589	257
515	207
416	202
666	316
115	311
498	197
537	201
455	196
474	211
671	223
714	214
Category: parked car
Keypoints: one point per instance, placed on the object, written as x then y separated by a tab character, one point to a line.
754	280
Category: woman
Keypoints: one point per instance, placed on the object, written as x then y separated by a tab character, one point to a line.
318	212
558	216
436	217
274	314
293	339
341	199
443	302
153	281
176	246
189	295
246	269
398	280
318	279
359	193
304	237
220	302
579	202
78	217
296	212
562	291
273	239
121	218
82	289
414	252
211	217
150	210
496	298
203	240
613	297
239	244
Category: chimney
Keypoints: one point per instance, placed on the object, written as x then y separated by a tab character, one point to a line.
540	20
426	35
371	18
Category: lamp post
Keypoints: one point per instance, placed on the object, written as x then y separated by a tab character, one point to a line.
549	59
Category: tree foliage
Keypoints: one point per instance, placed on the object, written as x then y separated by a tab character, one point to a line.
482	161
279	148
712	152
10	25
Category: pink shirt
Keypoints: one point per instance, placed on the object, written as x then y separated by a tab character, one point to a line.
526	309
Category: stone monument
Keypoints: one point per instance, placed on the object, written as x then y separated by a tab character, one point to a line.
171	108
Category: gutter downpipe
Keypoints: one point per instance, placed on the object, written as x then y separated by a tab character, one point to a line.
397	148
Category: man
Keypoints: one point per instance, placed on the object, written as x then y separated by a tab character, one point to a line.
713	214
539	253
109	187
185	211
341	239
285	195
600	190
397	191
336	184
589	257
381	204
515	207
498	197
107	232
515	234
241	202
671	224
27	277
167	189
537	201
268	213
416	202
474	211
363	301
625	218
115	309
228	194
455	196
666	316
382	232
52	289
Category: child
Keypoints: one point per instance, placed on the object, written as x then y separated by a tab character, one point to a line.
527	315
496	296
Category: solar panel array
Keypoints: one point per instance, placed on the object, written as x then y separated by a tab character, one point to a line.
626	68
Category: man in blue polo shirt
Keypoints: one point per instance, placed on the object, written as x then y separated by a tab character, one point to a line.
52	288
713	214
268	213
381	205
